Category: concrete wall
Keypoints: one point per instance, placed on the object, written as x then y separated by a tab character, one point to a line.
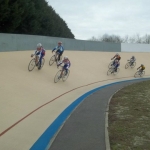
135	47
18	42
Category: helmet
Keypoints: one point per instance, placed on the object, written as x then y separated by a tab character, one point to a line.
39	45
59	42
117	54
133	57
65	57
142	65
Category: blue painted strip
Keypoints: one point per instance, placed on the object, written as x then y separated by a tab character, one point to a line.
46	137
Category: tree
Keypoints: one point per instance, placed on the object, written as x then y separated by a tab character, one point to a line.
31	17
146	39
117	39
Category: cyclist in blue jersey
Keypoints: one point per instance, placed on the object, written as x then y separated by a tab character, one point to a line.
66	66
59	49
39	53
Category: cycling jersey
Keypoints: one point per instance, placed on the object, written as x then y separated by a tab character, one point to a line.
117	57
142	67
66	63
60	48
132	60
40	52
116	64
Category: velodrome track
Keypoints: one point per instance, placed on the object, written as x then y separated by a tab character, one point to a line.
30	101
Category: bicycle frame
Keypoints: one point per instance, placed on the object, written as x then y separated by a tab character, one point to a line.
37	59
62	70
140	71
56	56
130	62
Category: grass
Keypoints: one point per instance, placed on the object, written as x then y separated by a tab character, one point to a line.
129	118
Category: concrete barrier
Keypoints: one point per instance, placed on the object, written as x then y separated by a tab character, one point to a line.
19	42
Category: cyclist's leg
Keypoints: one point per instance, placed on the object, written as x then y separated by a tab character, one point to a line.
116	67
131	62
114	61
36	58
66	68
61	73
57	54
60	53
40	61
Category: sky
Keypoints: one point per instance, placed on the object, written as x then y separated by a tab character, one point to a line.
88	18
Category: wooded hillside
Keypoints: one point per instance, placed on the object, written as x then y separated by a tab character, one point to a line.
34	17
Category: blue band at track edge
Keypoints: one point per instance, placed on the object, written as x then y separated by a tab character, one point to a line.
46	137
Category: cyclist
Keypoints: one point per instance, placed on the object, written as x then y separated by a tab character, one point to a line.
39	54
132	60
59	49
66	66
117	57
142	67
116	65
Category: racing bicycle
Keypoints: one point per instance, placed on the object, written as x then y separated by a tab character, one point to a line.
112	70
139	73
130	64
61	75
54	58
32	64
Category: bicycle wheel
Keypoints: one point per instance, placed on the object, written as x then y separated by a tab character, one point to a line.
65	76
137	74
57	76
133	65
127	65
110	64
52	60
116	72
31	65
142	73
110	71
